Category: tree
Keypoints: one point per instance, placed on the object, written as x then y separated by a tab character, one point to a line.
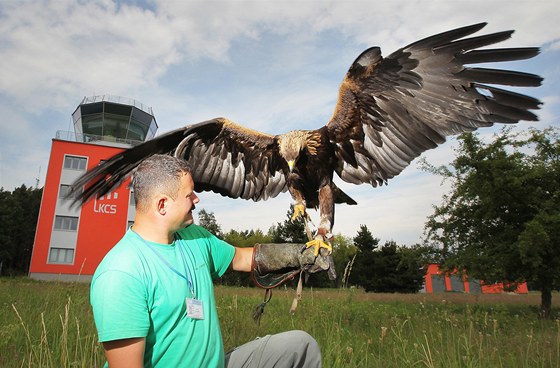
364	240
395	270
501	220
289	231
362	268
411	268
208	221
389	269
19	211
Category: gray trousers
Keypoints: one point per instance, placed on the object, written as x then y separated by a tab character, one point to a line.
289	349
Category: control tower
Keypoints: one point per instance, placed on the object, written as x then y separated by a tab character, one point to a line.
111	118
70	241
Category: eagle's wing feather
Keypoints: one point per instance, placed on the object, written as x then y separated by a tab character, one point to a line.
111	173
225	158
392	109
234	161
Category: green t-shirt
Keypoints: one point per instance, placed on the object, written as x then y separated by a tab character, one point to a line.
135	293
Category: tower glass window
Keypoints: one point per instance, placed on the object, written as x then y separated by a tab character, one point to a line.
114	118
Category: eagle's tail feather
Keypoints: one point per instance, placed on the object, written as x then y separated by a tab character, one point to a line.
341	197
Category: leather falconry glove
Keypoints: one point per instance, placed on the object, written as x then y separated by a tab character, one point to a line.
274	264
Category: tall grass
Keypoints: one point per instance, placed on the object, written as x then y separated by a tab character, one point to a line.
355	329
47	325
51	325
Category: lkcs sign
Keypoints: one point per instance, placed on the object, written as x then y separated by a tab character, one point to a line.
104	204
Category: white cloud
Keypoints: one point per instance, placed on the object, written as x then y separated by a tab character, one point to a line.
54	50
61	49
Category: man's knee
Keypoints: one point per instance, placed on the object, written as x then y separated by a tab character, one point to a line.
283	350
303	346
302	338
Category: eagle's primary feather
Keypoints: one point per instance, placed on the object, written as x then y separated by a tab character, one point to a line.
389	111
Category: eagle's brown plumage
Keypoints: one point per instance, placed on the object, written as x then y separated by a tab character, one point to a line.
389	111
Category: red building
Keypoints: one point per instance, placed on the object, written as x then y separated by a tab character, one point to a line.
71	241
437	281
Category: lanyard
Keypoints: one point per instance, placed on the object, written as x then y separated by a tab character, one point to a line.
188	276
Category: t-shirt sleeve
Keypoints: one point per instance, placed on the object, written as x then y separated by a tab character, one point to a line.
220	253
119	306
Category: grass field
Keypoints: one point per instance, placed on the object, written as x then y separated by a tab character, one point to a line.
51	325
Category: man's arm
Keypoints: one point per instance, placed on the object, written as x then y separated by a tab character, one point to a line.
125	353
242	260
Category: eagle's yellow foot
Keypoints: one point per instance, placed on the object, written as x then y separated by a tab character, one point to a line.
299	210
317	244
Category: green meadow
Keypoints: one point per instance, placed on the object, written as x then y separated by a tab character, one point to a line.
51	325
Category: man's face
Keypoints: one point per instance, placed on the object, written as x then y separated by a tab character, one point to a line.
180	208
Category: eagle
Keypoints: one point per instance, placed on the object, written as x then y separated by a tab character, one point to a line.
389	111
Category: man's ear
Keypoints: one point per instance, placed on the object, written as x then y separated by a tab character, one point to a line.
162	205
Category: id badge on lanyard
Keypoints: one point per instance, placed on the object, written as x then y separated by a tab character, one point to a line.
195	309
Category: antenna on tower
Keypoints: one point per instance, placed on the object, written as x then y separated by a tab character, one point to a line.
37	179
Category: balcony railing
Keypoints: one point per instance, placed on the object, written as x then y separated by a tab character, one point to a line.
65	135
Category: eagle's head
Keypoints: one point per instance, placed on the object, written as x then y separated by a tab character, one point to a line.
293	143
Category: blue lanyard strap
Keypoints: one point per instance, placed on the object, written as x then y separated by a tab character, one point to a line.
187	278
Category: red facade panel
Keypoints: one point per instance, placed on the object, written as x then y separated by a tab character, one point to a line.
102	222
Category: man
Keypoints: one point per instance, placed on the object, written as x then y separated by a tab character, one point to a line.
152	295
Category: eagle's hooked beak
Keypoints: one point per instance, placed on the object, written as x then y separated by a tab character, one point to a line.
291	164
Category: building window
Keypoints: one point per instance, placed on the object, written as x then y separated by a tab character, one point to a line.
61	255
65	191
75	163
66	223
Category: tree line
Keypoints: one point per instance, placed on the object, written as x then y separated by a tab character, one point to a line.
19	211
359	261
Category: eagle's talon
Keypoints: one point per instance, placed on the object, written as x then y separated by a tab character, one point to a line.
317	244
299	210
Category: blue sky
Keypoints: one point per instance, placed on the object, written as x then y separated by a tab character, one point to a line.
270	65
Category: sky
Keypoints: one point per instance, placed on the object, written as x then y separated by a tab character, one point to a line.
272	66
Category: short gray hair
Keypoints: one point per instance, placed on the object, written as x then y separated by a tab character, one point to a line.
158	174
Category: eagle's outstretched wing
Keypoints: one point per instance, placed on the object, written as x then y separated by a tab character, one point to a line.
392	109
225	158
234	161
